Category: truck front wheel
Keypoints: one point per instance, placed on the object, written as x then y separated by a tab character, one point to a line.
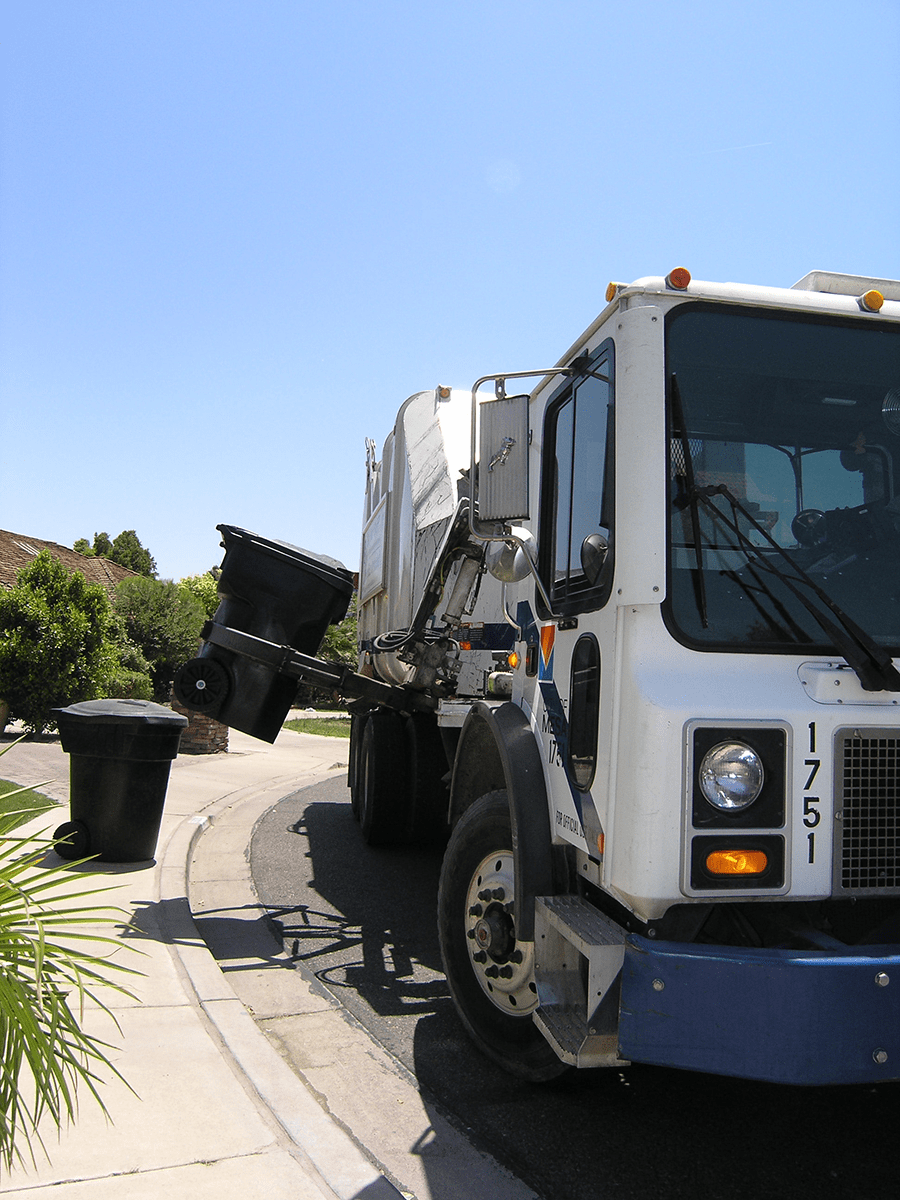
491	975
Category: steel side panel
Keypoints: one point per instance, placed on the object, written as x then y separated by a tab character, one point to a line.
784	1016
640	572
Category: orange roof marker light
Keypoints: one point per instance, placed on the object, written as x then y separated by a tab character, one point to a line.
612	290
737	862
871	301
678	279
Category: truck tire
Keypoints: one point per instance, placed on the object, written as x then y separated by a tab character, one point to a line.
429	793
491	977
382	781
357	721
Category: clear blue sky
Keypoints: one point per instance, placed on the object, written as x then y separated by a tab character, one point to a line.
236	234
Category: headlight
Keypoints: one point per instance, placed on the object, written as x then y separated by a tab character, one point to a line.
731	776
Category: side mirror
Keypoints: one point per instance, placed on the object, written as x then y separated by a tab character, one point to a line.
594	552
511	562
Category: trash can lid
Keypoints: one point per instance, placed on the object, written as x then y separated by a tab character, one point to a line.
120	712
328	568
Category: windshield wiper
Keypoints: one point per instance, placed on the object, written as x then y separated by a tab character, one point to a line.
872	664
688	491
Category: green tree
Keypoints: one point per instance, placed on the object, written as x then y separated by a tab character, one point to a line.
204	589
54	645
164	622
339	643
102	546
126	550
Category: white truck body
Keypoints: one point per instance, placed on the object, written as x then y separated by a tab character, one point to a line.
627	820
627	644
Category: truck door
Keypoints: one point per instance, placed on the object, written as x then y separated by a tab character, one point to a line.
576	560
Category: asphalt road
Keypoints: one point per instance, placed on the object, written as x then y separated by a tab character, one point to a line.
363	921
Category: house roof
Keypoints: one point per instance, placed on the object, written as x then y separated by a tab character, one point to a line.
17	550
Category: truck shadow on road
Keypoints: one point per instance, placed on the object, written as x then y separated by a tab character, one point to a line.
363	920
355	929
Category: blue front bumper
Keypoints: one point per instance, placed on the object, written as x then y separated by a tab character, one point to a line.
787	1016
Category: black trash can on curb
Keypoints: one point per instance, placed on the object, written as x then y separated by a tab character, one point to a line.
120	752
276	592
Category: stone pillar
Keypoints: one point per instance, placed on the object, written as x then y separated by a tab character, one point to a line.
203	734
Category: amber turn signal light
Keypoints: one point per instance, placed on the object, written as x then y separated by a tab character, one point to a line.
871	301
678	279
737	862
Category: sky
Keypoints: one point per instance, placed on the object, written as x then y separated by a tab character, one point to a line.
236	235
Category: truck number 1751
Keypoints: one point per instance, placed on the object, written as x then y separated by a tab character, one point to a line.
811	813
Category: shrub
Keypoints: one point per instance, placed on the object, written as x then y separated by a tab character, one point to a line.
338	645
203	588
129	685
54	647
164	622
130	678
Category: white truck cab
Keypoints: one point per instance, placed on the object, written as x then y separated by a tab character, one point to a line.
636	628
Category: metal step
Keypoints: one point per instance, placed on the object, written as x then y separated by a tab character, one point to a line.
580	923
574	1042
579	1008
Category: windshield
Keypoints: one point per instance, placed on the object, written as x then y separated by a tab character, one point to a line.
798	420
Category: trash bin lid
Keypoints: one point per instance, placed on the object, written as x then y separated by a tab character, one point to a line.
120	712
329	569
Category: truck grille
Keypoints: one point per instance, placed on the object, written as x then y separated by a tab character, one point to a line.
867	793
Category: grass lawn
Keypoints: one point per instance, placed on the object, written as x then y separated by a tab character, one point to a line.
324	726
31	802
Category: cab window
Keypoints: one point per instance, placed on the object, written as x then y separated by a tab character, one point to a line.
576	496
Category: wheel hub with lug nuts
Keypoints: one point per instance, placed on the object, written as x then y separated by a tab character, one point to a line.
503	968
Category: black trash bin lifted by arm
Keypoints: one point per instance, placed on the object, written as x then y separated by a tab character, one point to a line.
276	603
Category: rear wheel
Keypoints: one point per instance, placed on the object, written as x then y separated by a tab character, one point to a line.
429	794
490	973
357	723
382	791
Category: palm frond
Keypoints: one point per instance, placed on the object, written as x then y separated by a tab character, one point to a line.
55	957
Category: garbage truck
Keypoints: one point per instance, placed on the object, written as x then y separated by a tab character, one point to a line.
627	628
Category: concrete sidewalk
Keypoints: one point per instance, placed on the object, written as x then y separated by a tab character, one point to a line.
218	1113
196	1127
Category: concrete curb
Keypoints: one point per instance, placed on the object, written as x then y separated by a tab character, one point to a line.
253	1078
352	1076
331	1153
